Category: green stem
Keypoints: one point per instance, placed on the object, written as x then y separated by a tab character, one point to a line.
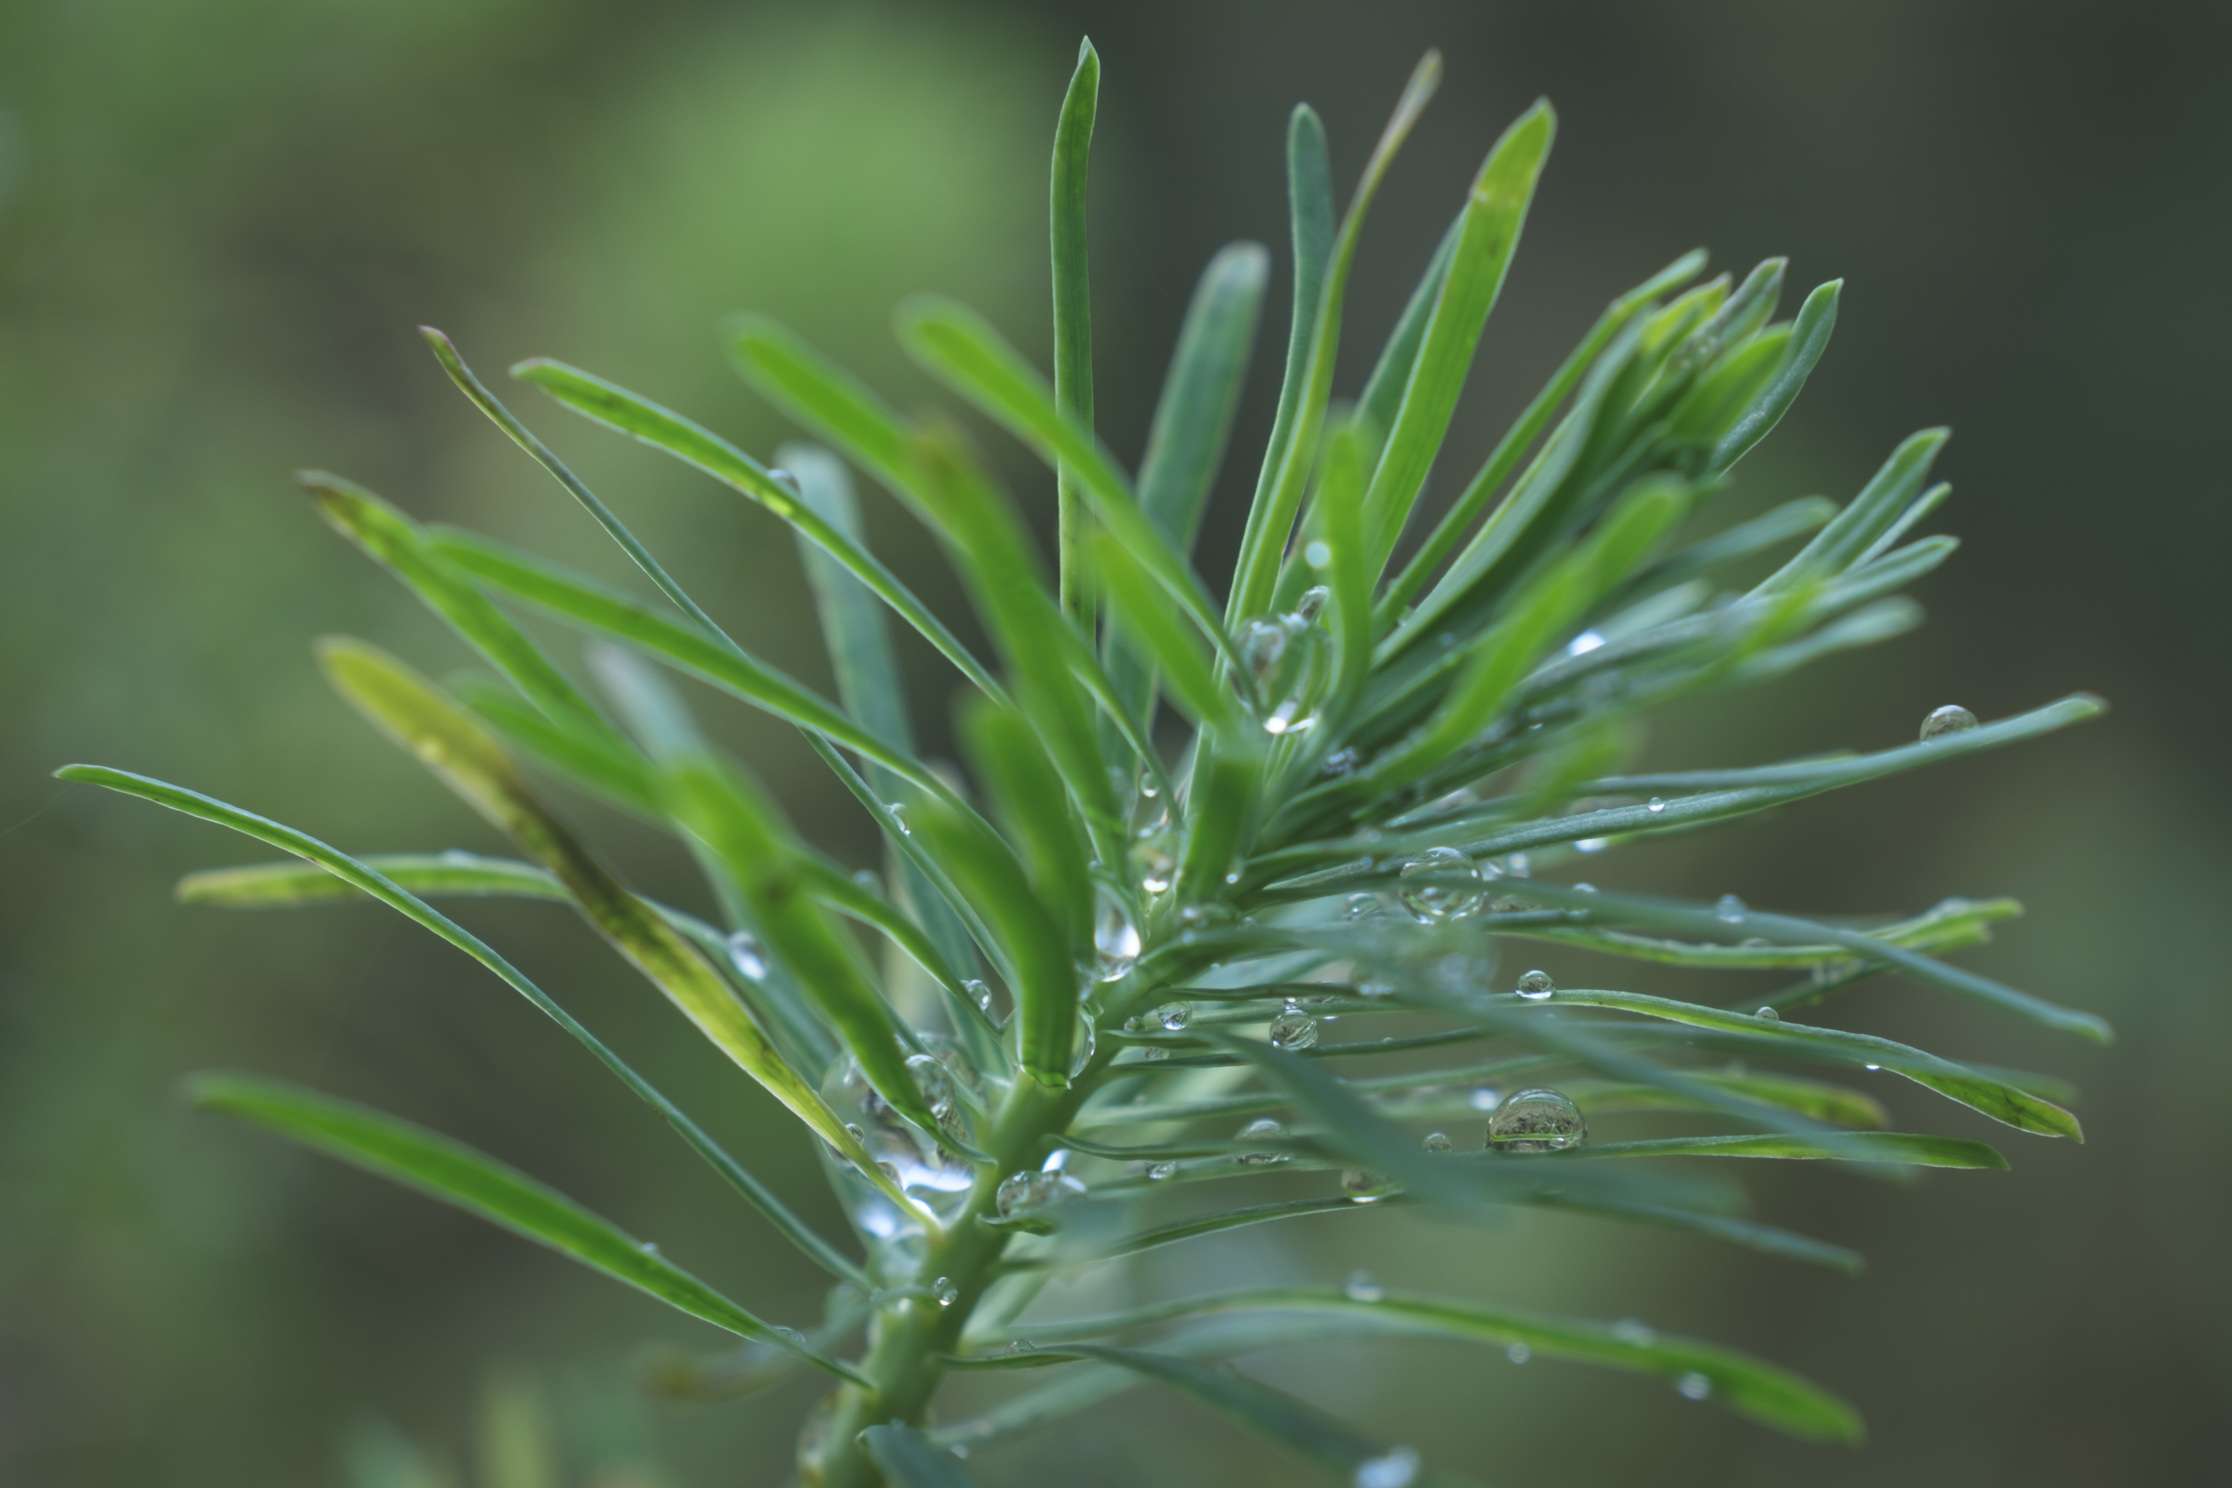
910	1337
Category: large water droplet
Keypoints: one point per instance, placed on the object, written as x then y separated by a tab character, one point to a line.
1293	1029
1395	1468
1115	939
1537	1121
1454	897
745	955
1950	719
1535	986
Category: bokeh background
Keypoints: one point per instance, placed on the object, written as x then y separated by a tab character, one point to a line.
219	224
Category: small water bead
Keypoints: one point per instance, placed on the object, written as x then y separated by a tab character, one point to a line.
1455	896
1655	805
1537	1121
1312	601
1263	646
745	955
897	811
1694	1386
1293	1029
1375	990
1262	1129
980	992
1518	1353
1950	719
1116	942
1729	910
1635	1331
1340	762
1361	907
1362	1286
1438	1141
944	1291
1362	1187
1769	1014
1158	1171
1174	1016
1584	643
1397	1467
1020	1193
1318	553
1535	986
1154	861
935	1082
1483	1097
1592	844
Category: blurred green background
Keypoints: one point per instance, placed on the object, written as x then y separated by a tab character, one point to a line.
219	224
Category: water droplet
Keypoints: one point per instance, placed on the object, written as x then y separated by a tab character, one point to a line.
1694	1386
1312	602
1362	1187
1518	1353
1437	1141
1342	761
1154	860
1022	1346
1375	989
1635	1331
745	955
1655	805
1769	1014
944	1291
1262	1129
1592	844
1483	1097
1361	907
1950	719
1020	1193
1872	1069
935	1082
1395	1468
1362	1286
1453	898
1115	939
1293	1029
1174	1016
1318	553
1537	1121
1158	1171
1584	643
897	811
1263	645
1729	910
1535	986
980	991
649	1247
